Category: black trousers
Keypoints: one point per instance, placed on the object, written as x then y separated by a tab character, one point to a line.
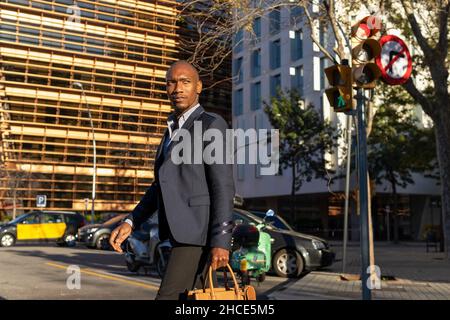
187	269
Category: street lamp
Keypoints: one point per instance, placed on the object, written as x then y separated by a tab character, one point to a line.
79	85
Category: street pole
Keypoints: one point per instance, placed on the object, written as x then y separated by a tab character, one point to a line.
94	149
388	224
347	191
363	196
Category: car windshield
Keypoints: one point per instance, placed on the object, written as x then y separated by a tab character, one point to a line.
278	222
250	218
19	218
114	220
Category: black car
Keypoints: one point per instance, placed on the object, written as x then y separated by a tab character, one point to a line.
61	226
293	253
97	235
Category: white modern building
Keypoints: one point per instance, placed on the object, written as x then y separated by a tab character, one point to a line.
280	53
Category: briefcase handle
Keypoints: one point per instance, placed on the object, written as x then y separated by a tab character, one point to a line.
211	287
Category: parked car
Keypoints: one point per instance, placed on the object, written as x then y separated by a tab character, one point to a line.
97	235
293	253
61	226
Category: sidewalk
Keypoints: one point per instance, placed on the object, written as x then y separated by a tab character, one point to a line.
417	275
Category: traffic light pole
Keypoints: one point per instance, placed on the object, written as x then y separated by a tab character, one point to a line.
363	195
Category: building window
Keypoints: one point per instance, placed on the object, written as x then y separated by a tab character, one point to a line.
240	172
274	17
296	14
258	170
323	38
322	73
238	42
259	124
255	96
256	63
257	29
275	54
238	102
275	84
296	44
238	71
297	79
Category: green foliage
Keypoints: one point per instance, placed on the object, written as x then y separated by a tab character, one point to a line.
304	137
398	146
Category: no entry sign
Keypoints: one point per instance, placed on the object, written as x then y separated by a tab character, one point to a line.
394	61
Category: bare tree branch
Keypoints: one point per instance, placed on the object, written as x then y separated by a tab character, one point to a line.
314	38
217	83
443	30
330	9
423	43
418	96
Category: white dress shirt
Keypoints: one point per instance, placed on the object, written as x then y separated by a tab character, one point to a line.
183	118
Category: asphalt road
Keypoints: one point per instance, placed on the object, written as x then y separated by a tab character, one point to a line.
46	272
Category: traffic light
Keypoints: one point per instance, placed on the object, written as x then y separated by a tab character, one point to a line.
340	93
365	48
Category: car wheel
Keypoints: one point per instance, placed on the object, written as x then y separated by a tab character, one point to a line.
70	240
102	242
245	279
133	266
261	277
288	263
7	240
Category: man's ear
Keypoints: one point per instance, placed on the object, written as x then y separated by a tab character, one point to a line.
199	86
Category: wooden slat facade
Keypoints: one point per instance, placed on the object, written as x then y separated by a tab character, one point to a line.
119	51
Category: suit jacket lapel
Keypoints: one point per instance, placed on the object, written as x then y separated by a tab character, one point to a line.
187	126
160	147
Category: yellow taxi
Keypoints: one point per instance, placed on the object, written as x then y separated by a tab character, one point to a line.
59	226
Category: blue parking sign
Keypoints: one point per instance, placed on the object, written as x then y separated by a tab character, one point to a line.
41	200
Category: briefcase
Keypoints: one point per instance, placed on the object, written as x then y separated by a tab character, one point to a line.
236	293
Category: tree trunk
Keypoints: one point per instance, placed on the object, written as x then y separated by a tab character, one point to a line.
395	212
14	199
442	129
293	194
371	246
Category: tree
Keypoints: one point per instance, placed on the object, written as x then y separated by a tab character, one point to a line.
304	139
397	147
424	23
427	30
13	180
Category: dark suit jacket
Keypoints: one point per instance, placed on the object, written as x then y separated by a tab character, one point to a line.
196	200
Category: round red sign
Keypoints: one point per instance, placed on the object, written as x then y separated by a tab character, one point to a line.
394	61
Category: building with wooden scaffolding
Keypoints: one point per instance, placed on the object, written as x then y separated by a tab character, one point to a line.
119	52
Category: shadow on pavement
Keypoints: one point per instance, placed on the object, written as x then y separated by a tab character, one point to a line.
279	287
103	260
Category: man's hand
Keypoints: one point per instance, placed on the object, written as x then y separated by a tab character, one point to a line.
119	235
219	258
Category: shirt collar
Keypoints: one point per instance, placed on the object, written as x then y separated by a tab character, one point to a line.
172	118
186	115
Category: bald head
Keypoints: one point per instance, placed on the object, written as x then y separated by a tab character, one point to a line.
183	64
183	86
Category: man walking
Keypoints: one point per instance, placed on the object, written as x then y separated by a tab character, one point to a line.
194	201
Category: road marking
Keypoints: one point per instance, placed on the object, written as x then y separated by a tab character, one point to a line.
104	276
